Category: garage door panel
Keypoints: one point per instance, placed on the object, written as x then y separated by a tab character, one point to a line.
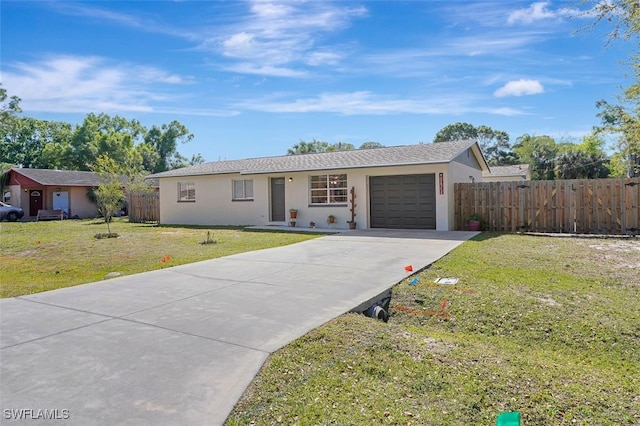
403	201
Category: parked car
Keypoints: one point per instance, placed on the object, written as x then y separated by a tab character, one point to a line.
10	213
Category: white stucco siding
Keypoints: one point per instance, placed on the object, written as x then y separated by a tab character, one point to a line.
213	203
460	173
297	195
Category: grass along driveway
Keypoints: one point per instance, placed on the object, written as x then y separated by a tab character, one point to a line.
546	326
41	256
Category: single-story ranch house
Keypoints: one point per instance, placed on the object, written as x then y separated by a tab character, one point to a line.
43	189
404	187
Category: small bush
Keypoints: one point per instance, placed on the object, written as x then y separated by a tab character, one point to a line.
209	240
106	235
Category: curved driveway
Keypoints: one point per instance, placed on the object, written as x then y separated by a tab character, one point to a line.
180	345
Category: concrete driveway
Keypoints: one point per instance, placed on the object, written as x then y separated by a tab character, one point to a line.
180	345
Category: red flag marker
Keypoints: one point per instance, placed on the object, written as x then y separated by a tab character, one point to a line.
408	268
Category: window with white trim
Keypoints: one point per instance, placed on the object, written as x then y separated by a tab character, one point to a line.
328	189
243	189
186	191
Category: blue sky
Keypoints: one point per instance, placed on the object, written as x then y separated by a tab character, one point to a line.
253	78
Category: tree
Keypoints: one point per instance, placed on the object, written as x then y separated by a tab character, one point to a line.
625	122
179	161
370	145
456	132
581	165
8	110
539	152
30	142
493	143
165	140
308	147
110	194
101	134
623	14
24	140
622	119
340	146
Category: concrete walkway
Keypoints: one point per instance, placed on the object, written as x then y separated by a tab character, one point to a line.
180	345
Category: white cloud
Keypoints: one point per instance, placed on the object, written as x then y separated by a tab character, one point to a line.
539	11
323	58
368	103
265	70
519	88
276	37
83	84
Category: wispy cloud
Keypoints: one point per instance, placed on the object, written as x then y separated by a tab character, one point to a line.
519	88
368	103
143	23
273	38
81	84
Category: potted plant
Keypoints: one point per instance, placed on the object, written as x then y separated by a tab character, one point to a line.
293	213
473	222
312	224
331	219
352	208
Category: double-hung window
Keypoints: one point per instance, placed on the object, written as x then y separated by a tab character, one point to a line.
243	190
328	189
186	192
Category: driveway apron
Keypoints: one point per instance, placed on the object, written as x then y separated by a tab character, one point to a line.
179	346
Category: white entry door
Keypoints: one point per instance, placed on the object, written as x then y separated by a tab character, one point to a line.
61	201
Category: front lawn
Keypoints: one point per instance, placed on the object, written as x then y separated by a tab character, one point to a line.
40	256
547	326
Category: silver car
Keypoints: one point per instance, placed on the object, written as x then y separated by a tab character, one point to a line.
10	213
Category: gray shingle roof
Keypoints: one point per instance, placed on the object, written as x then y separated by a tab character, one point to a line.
430	153
60	177
515	170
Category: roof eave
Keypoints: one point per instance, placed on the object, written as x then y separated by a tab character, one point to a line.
300	170
364	166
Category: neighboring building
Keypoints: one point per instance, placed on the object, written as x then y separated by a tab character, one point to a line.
516	173
400	187
42	189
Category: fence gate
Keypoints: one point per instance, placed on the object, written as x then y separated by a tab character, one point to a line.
593	206
144	207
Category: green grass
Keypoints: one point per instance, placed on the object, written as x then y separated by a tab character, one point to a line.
548	326
40	256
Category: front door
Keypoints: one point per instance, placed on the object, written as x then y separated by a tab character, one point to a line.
35	202
277	200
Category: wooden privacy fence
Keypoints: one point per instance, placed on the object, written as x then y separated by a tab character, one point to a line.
144	207
588	206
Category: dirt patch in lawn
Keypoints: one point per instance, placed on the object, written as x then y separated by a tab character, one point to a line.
625	253
615	257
